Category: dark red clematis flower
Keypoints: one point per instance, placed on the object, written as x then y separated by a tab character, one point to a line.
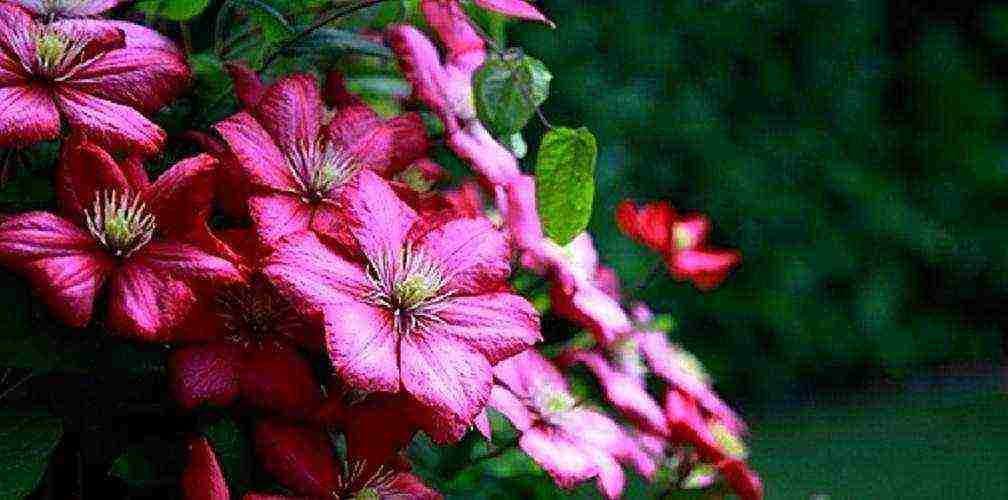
100	77
304	460
571	442
299	163
680	239
416	308
118	232
243	343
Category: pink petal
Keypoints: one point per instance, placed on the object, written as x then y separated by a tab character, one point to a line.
112	126
312	276
279	215
514	8
593	429
27	115
187	263
610	478
205	374
180	198
482	422
249	88
276	377
291	111
705	268
136	36
14	24
362	344
505	402
62	262
497	325
379	220
300	458
650	224
84	171
352	124
256	153
473	251
144	304
524	373
202	478
452	26
421	64
141	78
567	463
627	394
446	376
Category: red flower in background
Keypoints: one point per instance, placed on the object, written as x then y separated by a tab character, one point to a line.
243	343
100	77
680	239
119	232
416	308
300	165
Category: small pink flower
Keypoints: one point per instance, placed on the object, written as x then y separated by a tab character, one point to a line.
120	232
414	308
626	392
680	239
101	77
569	441
299	163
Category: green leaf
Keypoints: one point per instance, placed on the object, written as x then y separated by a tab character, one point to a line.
508	90
174	10
565	182
233	452
25	445
213	87
336	42
516	144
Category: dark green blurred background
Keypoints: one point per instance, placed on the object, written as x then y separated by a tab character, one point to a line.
855	151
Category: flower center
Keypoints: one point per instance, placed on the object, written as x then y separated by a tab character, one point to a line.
120	223
683	238
247	310
54	51
320	168
410	284
552	403
367	494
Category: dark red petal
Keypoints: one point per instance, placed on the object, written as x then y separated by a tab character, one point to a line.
352	124
377	429
279	215
249	88
84	171
407	485
650	225
146	305
206	374
15	22
336	94
743	481
27	115
113	126
291	111
257	155
62	262
180	198
300	458
202	478
276	377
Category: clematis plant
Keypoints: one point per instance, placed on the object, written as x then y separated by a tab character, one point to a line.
99	77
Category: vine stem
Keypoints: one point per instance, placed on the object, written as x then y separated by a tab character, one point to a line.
315	26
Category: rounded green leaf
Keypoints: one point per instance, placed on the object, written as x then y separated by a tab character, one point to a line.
565	182
25	445
508	89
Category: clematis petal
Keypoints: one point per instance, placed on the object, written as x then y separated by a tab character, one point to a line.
378	219
145	304
475	253
257	154
111	125
300	458
650	224
62	262
180	198
516	412
566	462
141	78
205	374
421	64
202	478
276	377
514	8
706	269
524	373
279	215
744	482
627	394
291	111
352	124
187	263
312	276
482	422
84	171
406	485
689	232
27	115
497	325
15	22
362	343
377	429
610	478
249	88
442	374
592	429
135	35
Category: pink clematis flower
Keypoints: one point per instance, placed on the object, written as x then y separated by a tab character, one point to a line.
417	308
242	342
100	77
304	460
299	163
680	240
118	232
66	9
569	441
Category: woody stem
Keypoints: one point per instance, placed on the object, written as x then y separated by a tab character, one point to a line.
318	24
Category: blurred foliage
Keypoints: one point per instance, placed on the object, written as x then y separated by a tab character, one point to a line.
853	150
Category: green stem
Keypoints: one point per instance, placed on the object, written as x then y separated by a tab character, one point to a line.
318	24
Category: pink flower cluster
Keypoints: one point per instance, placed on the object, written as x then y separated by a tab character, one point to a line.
339	249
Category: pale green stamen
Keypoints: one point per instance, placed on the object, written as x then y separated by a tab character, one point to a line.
410	284
120	223
683	238
320	168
